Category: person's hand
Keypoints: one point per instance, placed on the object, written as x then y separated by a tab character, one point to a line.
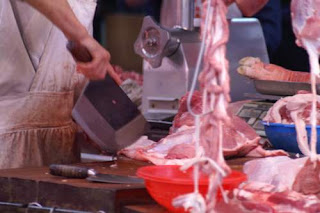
100	65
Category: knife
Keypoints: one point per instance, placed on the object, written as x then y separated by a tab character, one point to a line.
91	174
105	112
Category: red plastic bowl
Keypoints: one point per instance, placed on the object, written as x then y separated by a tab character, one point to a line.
164	183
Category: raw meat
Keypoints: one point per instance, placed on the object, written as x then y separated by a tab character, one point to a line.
140	146
298	174
295	110
289	185
174	149
124	75
286	109
262	197
256	69
183	117
305	23
239	138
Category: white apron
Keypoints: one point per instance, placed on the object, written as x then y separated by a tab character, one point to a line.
38	86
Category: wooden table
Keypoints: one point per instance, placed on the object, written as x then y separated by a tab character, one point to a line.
37	185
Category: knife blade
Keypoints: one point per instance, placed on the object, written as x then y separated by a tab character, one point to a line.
105	112
91	175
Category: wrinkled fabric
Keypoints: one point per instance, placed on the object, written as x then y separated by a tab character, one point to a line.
38	87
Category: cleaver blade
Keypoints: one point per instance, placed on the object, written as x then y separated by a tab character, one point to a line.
105	112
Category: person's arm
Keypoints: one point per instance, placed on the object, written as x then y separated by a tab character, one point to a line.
134	3
60	13
248	7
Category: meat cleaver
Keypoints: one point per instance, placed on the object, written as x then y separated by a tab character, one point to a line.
107	115
91	174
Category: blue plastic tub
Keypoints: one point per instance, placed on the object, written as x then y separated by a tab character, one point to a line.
284	136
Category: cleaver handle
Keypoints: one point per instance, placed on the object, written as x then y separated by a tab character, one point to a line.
79	52
69	171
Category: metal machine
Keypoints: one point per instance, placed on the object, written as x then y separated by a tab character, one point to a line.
170	51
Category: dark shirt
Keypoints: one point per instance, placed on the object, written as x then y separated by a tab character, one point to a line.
275	19
148	8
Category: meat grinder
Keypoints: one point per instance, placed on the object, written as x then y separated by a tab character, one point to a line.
170	50
170	55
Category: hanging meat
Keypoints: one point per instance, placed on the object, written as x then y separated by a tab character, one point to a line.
302	180
305	23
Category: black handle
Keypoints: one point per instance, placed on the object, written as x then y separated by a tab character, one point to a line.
68	171
79	52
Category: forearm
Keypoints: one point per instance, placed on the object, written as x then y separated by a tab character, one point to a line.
60	13
250	7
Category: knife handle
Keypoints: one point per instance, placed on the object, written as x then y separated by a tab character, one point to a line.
69	171
79	52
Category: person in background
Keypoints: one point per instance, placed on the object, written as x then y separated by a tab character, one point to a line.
38	79
275	19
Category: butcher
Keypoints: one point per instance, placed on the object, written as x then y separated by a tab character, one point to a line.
39	82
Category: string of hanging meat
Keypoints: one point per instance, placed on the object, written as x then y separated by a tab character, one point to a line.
305	23
214	85
214	82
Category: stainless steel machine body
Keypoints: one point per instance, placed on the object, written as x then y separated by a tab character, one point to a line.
170	55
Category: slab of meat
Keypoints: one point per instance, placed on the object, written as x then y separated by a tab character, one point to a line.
285	110
136	150
240	139
174	149
300	174
254	68
262	197
183	117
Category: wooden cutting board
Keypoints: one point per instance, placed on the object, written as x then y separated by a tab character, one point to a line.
37	185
